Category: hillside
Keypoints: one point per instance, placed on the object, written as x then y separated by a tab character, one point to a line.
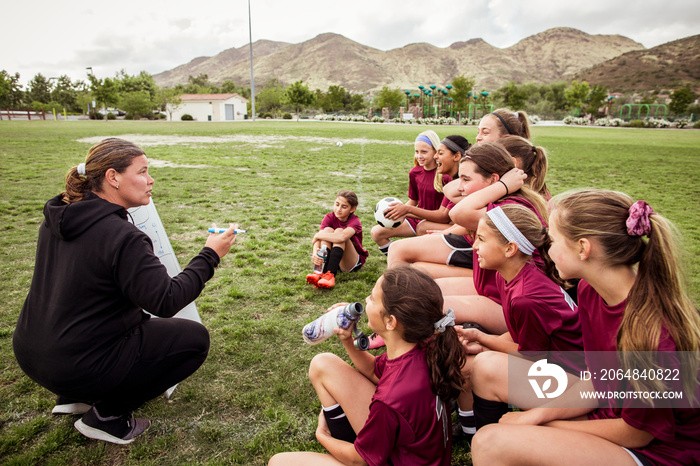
667	66
332	59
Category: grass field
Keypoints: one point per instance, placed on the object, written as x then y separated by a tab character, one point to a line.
277	179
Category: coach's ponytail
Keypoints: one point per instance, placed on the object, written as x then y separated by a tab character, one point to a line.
89	176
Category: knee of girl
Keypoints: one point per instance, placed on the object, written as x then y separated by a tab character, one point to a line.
278	459
376	233
320	365
482	367
486	441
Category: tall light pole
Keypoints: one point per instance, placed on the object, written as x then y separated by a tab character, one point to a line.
252	79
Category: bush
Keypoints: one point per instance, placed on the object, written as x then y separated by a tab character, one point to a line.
287	116
264	115
95	115
636	124
696	125
111	116
186	117
681	122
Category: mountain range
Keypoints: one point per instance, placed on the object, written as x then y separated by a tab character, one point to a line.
557	54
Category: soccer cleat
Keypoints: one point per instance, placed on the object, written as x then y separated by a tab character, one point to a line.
115	429
376	341
313	278
327	280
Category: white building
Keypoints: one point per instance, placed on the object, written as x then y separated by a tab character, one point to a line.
212	107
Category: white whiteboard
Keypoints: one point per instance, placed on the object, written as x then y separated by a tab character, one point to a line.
146	218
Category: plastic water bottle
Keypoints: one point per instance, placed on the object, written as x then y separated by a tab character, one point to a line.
323	254
341	317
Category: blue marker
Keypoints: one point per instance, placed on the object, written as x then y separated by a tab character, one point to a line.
221	230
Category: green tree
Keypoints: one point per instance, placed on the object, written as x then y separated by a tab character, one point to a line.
10	91
298	95
576	94
39	89
143	82
230	87
169	99
391	98
66	93
269	99
200	85
357	102
681	99
335	99
596	98
137	104
462	85
512	95
105	91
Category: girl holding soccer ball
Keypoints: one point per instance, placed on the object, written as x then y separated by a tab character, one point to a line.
424	198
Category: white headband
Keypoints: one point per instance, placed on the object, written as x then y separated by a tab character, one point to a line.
510	231
81	169
447	321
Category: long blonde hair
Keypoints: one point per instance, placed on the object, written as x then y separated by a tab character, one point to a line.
658	297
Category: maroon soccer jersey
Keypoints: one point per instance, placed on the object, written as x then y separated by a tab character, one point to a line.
485	280
353	221
676	431
421	188
407	423
539	314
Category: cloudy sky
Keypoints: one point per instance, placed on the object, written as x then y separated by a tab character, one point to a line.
63	38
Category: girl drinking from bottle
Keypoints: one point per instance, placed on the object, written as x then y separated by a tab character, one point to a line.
542	320
424	197
392	409
631	300
341	235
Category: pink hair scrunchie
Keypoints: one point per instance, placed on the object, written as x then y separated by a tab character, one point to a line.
638	223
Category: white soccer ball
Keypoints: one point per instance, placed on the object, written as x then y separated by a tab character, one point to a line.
379	213
339	144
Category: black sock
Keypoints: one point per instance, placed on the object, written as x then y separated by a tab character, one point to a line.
487	411
334	258
338	424
385	249
467	421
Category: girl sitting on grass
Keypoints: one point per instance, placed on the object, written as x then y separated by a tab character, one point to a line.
424	199
542	319
341	234
450	151
392	409
631	300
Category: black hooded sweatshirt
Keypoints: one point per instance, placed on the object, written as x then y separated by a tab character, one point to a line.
94	273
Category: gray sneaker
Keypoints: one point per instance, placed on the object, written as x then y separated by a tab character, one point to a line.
115	429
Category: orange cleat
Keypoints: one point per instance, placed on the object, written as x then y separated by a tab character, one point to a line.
313	278
327	280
